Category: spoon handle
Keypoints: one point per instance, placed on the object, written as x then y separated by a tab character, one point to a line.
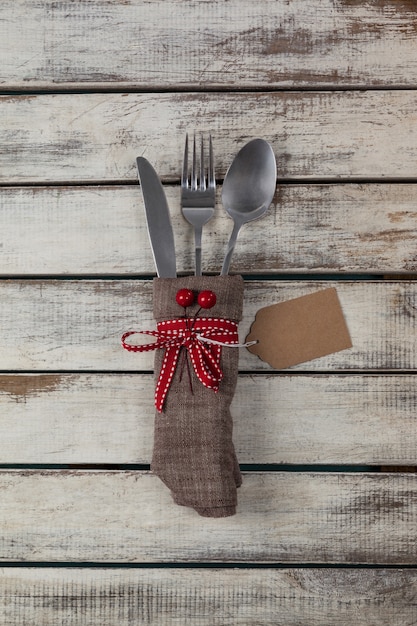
230	248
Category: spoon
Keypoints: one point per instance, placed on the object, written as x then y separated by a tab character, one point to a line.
248	189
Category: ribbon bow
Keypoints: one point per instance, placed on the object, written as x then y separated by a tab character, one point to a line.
202	337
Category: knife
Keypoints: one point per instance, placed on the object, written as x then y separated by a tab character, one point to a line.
158	220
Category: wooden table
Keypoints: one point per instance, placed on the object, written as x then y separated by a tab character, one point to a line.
327	518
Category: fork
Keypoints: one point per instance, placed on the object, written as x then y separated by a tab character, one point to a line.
198	191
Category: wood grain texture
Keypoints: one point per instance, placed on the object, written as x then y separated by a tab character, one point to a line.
282	518
77	324
302	419
201	597
172	44
96	137
332	85
92	230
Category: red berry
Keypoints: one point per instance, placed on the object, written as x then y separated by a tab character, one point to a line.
207	299
184	297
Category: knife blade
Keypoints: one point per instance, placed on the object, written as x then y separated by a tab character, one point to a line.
158	219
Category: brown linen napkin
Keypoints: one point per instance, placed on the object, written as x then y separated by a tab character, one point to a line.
193	448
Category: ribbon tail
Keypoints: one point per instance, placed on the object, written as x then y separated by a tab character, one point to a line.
166	375
207	365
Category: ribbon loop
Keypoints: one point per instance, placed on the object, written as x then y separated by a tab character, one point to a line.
202	337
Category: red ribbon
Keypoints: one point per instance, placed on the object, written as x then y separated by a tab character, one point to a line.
201	336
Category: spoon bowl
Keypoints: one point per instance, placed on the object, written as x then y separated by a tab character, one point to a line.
248	189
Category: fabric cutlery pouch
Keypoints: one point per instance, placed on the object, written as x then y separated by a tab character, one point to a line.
193	450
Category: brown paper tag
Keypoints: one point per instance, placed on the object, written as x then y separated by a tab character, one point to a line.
300	330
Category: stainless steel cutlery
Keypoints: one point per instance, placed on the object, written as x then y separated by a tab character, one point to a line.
248	189
198	192
158	220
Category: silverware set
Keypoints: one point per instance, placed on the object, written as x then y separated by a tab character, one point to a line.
248	190
198	193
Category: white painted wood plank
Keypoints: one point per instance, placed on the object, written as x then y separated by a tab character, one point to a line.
96	137
282	517
299	419
77	324
207	597
101	230
169	43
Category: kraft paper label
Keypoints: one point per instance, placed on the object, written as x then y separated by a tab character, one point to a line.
300	330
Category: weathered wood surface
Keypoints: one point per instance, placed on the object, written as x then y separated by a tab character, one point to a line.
301	419
96	137
101	230
77	324
70	206
207	597
283	517
238	44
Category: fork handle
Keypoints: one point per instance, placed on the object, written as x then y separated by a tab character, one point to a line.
198	230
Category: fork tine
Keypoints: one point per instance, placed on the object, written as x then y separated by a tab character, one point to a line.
202	172
184	177
194	168
198	186
211	183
